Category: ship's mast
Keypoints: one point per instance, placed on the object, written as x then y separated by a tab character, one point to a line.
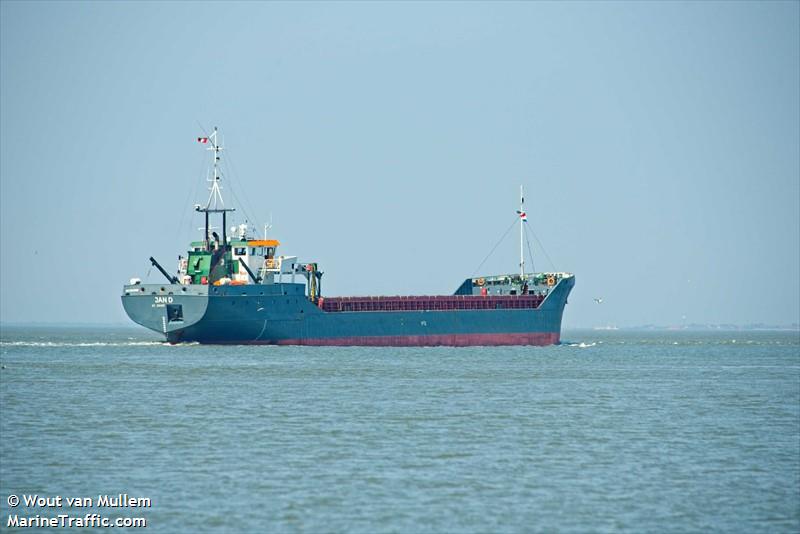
522	218
215	203
216	193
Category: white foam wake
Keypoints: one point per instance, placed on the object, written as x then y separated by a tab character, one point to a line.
81	344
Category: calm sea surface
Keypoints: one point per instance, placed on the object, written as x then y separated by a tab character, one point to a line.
609	432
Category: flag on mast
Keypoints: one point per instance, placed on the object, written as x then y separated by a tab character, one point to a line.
202	140
523	216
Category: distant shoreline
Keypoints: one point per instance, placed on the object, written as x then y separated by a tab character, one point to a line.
705	328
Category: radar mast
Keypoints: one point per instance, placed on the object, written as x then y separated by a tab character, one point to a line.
215	202
523	217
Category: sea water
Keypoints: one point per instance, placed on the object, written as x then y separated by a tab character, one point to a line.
608	432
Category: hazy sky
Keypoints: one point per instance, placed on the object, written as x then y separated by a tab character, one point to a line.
658	142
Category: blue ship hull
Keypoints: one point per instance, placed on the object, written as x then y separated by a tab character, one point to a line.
282	314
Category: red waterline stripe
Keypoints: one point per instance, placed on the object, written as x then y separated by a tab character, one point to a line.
449	340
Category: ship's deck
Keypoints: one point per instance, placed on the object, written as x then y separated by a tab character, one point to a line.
430	303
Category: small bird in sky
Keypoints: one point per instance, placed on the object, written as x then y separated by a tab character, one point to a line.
598	300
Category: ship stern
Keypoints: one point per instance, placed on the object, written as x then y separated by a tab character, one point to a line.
167	309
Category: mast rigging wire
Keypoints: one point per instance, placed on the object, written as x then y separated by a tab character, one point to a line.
505	234
530	252
228	164
192	195
546	255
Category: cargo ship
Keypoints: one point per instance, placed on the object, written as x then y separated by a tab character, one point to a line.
237	289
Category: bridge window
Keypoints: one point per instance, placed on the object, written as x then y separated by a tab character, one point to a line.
240	251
